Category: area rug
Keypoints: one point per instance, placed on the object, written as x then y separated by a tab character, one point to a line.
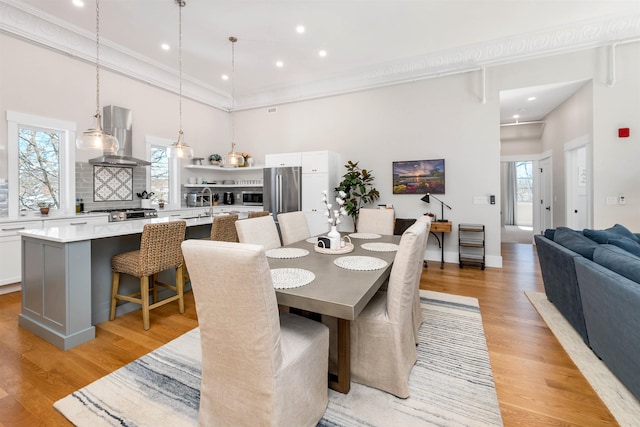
622	404
450	385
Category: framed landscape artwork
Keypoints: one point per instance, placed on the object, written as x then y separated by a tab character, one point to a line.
418	177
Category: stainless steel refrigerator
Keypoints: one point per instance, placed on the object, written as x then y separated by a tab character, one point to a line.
282	190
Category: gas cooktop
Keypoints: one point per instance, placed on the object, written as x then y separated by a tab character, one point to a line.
128	214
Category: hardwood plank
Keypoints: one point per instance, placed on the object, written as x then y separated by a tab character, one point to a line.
536	382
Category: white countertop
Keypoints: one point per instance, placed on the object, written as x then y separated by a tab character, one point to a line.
38	217
84	232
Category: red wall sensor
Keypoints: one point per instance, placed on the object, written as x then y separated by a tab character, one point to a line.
623	133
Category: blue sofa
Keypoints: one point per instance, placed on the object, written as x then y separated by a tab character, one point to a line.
595	284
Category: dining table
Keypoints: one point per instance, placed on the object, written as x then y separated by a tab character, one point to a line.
335	283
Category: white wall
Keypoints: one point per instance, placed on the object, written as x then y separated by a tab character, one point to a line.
571	120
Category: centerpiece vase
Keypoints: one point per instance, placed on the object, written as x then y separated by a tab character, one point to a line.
334	238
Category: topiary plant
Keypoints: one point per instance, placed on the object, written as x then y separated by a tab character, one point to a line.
357	184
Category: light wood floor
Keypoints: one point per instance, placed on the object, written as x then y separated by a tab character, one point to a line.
536	382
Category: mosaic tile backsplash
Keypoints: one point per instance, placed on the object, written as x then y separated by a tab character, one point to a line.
85	188
112	183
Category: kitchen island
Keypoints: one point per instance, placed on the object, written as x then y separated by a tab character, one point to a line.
66	276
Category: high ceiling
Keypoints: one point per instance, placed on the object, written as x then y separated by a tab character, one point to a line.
368	42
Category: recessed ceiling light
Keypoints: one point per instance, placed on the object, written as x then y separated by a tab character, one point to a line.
300	29
78	3
279	64
531	98
322	53
225	77
165	46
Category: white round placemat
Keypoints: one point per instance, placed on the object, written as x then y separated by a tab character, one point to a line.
286	278
313	240
364	236
286	253
357	262
380	247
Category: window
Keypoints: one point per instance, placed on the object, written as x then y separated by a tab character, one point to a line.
41	157
159	171
524	193
38	167
164	173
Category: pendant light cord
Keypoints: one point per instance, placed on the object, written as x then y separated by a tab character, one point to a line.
97	59
181	4
233	41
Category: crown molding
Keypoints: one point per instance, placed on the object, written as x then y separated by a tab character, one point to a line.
30	24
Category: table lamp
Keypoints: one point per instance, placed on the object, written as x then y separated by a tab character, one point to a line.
426	199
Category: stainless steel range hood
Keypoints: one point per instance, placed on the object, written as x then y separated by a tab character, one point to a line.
117	121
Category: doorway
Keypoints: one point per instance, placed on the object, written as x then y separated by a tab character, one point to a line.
517	201
578	183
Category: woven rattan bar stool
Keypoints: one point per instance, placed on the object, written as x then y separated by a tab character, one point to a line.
256	214
159	251
224	228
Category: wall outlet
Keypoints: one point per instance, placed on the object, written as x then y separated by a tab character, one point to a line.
622	200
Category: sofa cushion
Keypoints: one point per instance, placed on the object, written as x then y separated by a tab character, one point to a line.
619	261
615	232
575	241
627	244
549	233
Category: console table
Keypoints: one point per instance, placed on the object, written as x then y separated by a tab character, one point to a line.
440	227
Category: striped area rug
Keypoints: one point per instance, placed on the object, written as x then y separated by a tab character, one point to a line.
450	385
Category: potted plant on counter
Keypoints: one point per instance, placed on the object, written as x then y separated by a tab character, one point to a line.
44	207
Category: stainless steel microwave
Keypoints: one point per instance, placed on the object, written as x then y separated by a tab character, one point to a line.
252	198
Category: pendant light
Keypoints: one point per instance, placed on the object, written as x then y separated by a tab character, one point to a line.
97	138
233	159
180	149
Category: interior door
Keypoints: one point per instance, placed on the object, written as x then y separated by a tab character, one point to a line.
577	188
546	194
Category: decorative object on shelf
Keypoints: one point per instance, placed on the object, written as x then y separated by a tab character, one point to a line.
180	149
245	158
418	177
197	161
97	138
334	217
44	207
357	185
426	199
249	161
215	159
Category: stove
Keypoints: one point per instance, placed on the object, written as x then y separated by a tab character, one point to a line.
128	214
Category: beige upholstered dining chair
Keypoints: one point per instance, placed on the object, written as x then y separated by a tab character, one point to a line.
293	227
159	251
379	221
257	214
259	231
417	307
224	228
383	349
259	367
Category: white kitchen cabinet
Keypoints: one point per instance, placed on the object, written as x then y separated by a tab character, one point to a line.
283	159
10	248
79	220
318	161
319	173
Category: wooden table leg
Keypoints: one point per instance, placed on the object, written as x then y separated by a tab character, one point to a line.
342	383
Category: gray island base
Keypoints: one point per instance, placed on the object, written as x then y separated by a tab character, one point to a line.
66	276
